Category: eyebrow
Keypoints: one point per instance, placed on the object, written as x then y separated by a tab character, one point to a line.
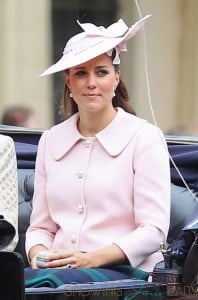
97	67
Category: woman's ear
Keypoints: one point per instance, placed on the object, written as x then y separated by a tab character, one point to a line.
67	81
117	79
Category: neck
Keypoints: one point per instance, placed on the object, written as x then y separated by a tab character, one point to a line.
91	124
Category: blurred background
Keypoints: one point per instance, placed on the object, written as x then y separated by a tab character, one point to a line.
33	34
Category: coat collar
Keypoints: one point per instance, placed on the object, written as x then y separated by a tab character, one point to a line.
114	138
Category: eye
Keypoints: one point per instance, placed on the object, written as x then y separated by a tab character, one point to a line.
80	73
102	72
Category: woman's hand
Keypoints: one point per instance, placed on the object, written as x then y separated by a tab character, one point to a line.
38	251
69	258
42	257
40	260
76	259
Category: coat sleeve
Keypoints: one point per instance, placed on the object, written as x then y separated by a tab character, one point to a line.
151	196
42	228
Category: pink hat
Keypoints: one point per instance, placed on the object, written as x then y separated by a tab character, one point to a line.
95	41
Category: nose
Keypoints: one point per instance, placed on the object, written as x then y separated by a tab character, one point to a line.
91	81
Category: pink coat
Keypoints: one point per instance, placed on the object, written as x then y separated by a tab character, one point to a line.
113	188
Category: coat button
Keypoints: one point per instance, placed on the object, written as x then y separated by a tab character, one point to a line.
73	239
80	208
80	174
87	143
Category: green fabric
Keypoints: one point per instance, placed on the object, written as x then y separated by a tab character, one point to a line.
57	277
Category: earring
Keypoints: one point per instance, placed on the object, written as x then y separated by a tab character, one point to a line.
114	94
70	95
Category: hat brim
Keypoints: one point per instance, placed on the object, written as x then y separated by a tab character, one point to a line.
71	59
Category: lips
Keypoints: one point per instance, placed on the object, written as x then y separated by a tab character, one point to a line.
91	95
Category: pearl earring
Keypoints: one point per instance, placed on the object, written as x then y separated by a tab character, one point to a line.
113	93
70	95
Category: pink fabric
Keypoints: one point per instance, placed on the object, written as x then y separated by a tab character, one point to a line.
113	188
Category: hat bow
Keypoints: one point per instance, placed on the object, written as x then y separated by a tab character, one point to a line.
115	30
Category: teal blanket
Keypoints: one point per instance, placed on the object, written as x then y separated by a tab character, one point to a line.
57	277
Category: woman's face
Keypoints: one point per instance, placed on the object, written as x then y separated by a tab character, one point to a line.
93	83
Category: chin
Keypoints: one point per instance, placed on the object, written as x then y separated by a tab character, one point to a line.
93	108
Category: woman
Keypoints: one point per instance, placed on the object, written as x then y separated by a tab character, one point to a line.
102	179
8	188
